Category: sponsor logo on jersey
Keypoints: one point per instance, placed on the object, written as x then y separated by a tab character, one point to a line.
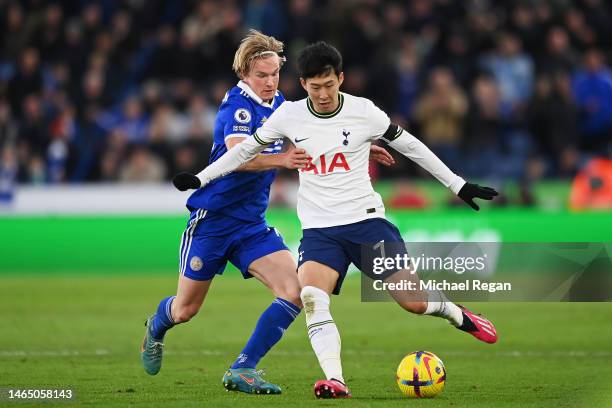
300	140
337	163
196	263
241	128
242	115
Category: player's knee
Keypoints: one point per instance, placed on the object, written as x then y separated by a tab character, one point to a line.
289	292
184	313
414	307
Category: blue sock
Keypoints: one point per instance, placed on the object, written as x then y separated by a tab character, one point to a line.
162	321
269	330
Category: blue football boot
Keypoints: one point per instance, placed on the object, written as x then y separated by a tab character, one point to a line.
248	380
151	351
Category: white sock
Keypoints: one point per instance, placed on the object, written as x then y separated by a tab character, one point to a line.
322	331
439	305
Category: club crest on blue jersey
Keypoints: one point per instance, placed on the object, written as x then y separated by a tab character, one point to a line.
242	195
242	115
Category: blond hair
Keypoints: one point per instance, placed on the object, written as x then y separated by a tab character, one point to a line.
253	46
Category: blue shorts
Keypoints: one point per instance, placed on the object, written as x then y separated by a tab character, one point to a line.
338	246
212	239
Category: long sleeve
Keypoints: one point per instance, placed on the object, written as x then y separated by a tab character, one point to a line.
246	150
416	151
230	161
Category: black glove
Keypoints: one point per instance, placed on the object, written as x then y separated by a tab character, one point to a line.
470	191
186	181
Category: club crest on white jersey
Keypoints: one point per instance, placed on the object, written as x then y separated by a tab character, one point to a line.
335	187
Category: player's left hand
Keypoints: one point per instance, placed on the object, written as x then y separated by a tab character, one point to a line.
381	155
471	191
295	158
186	181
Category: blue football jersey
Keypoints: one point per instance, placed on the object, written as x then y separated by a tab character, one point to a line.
243	195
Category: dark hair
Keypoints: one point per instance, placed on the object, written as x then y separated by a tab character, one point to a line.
319	59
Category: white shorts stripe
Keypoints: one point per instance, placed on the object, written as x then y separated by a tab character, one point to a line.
187	238
200	215
182	246
190	239
184	241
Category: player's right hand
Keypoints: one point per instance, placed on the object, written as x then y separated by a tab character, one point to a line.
296	159
186	181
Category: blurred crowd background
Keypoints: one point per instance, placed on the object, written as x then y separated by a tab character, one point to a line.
127	91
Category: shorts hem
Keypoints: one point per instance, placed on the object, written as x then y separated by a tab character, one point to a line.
200	278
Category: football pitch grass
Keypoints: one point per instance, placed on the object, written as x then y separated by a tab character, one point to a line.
84	333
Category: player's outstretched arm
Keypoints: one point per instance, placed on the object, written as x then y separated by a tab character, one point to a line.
416	151
291	159
230	161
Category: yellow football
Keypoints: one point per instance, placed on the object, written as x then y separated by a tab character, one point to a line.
421	374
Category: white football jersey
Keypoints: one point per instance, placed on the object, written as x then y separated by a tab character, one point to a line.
335	188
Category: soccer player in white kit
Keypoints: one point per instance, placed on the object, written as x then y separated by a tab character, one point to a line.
337	206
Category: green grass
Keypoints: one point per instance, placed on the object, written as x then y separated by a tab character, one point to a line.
85	332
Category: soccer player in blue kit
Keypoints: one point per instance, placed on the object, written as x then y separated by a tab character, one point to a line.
227	222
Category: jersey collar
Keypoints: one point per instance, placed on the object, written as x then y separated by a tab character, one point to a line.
326	115
247	89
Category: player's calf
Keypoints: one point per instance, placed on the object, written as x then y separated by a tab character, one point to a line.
183	314
415	307
413	301
277	272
